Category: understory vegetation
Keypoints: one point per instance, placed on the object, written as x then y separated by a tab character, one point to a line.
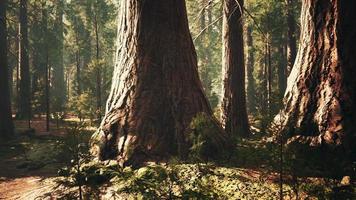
251	172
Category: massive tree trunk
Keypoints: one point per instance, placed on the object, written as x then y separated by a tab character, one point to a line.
320	101
234	113
6	125
25	104
291	39
156	91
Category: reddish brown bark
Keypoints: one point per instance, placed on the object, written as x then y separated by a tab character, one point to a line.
234	113
156	91
321	93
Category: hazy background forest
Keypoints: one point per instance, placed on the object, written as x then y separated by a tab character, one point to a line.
61	58
75	40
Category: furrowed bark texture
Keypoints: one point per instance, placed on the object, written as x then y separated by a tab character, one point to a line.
320	98
234	113
6	125
155	90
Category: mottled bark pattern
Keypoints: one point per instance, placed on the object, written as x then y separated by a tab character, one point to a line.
6	126
234	113
155	90
320	98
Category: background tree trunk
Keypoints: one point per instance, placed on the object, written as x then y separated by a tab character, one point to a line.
251	86
6	125
156	91
291	39
98	69
47	77
320	101
282	72
234	113
59	86
25	104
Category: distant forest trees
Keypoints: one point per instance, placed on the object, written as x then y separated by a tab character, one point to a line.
59	56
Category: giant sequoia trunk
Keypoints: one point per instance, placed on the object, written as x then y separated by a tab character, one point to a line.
320	101
6	126
156	91
234	113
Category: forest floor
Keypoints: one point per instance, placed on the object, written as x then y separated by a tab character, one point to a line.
30	164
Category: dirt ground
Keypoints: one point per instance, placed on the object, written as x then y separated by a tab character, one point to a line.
18	182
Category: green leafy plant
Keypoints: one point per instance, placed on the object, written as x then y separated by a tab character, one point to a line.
207	139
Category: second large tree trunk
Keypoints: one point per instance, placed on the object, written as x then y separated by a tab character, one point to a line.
234	112
156	91
320	101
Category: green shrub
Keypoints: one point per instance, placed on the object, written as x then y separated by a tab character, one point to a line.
207	139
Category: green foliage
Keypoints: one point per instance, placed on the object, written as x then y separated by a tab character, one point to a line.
83	105
91	174
207	139
160	182
205	26
62	37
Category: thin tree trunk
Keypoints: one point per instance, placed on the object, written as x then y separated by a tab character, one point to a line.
25	103
78	68
156	91
18	68
59	85
320	101
291	40
251	93
98	69
265	92
48	78
6	124
282	72
234	114
269	78
47	68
